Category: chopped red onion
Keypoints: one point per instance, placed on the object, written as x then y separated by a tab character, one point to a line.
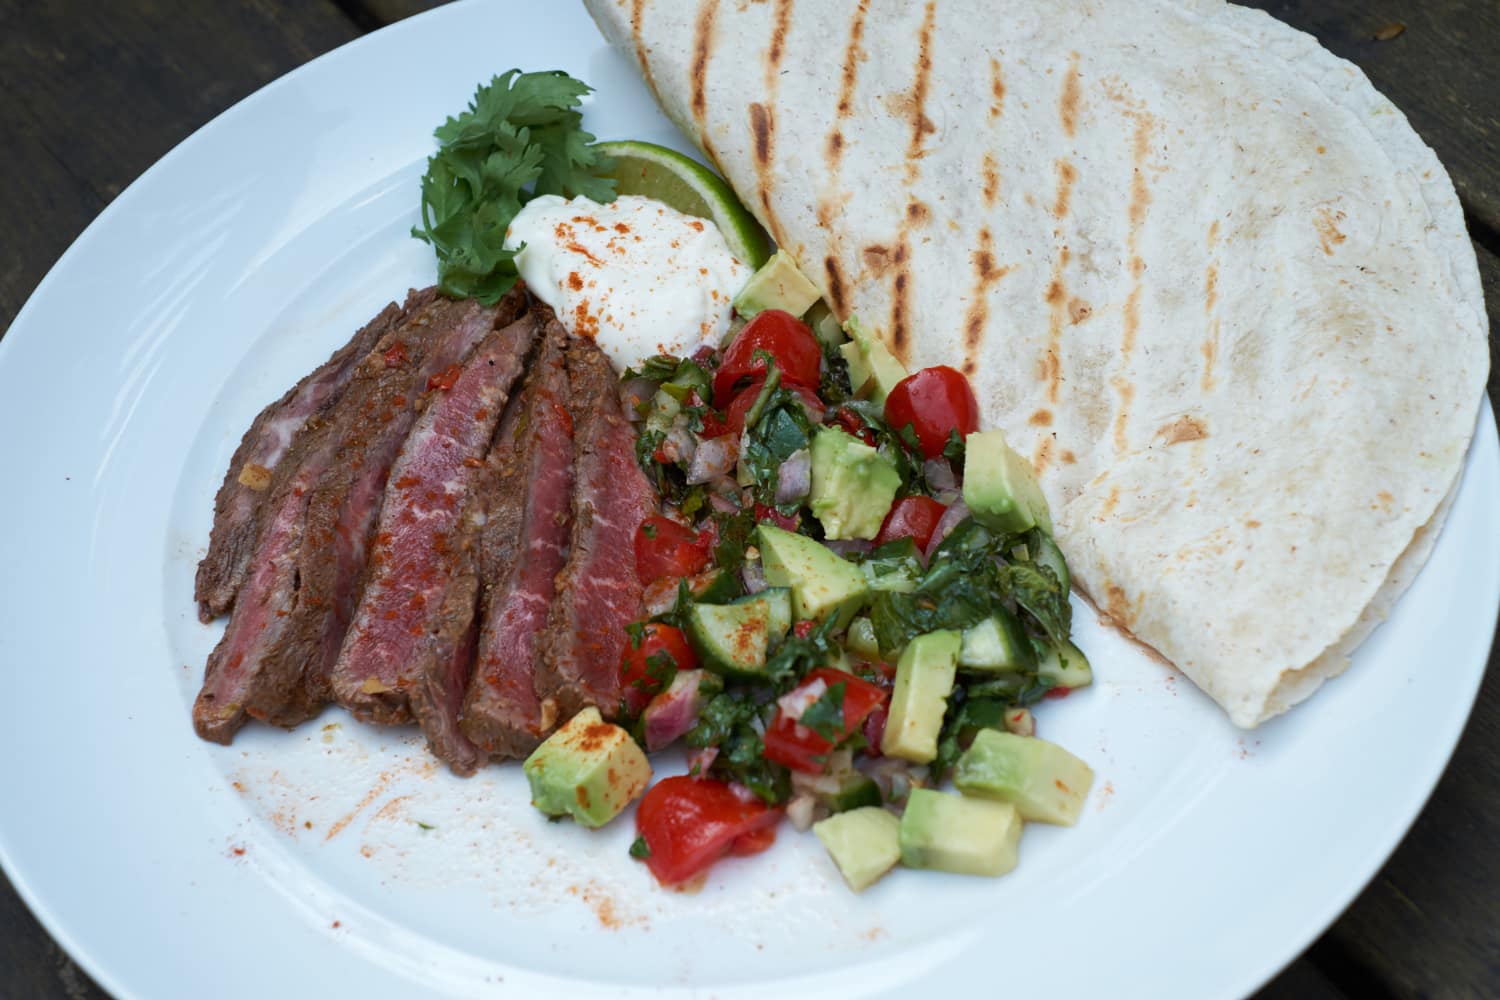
700	760
721	503
799	812
634	393
753	575
794	476
939	473
714	458
673	711
950	519
844	547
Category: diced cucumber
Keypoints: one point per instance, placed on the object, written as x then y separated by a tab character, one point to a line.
864	844
861	640
779	600
664	409
825	325
731	639
1065	667
1042	780
894	566
997	645
1049	555
855	792
954	833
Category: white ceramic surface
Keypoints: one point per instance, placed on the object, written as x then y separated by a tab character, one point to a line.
302	864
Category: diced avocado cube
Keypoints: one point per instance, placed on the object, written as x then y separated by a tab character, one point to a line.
823	585
1000	487
825	325
855	791
864	843
997	645
589	769
853	485
1065	666
860	640
1042	780
870	361
777	285
954	833
924	679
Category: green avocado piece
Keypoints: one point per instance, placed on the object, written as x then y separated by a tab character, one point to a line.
1064	666
777	285
1000	487
864	843
954	833
860	640
823	585
589	769
924	679
825	325
1042	780
853	485
870	361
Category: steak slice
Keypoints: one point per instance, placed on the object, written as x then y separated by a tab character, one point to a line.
288	622
410	646
598	592
526	486
240	509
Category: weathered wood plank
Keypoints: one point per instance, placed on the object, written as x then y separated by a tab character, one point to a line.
1440	70
96	93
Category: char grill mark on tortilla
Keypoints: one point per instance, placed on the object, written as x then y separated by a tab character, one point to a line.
703	44
276	634
986	273
400	657
1256	128
598	592
637	7
527	489
240	508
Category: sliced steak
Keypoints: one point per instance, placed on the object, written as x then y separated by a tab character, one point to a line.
409	648
527	486
240	508
290	619
598	593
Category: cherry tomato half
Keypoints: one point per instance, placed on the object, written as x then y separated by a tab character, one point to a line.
781	335
665	548
639	677
850	421
739	408
689	823
935	402
912	517
770	515
789	742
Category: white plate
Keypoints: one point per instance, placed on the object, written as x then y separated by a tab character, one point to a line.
297	864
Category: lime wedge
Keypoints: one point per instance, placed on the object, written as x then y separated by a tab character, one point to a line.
652	171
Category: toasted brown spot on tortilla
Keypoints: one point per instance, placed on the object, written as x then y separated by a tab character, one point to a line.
762	131
835	147
781	20
1184	428
1213	235
989	179
1111	501
1132	313
835	285
1252	524
1068	103
921	125
901	303
637	9
1068	458
997	89
1041	418
853	53
703	42
1067	175
917	213
1116	604
1125	389
877	258
1055	293
986	273
1043	455
1079	310
1210	288
1210	353
1326	221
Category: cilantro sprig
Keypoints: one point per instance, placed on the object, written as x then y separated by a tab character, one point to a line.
520	137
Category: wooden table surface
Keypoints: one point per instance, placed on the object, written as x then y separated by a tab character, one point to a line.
92	94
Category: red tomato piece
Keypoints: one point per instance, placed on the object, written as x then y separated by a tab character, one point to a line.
935	402
665	548
849	421
786	522
794	745
713	425
688	824
739	407
875	730
781	335
747	844
911	517
638	677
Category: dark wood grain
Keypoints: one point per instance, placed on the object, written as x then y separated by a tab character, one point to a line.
109	88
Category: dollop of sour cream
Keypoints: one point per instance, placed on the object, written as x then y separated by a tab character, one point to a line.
636	276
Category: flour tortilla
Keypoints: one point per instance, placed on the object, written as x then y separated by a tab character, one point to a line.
1197	268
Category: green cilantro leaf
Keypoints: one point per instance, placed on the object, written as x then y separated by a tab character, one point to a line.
826	715
639	848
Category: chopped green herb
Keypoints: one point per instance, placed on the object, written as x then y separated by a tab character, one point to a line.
639	848
826	715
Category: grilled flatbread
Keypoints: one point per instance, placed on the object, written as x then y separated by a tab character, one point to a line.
1198	269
